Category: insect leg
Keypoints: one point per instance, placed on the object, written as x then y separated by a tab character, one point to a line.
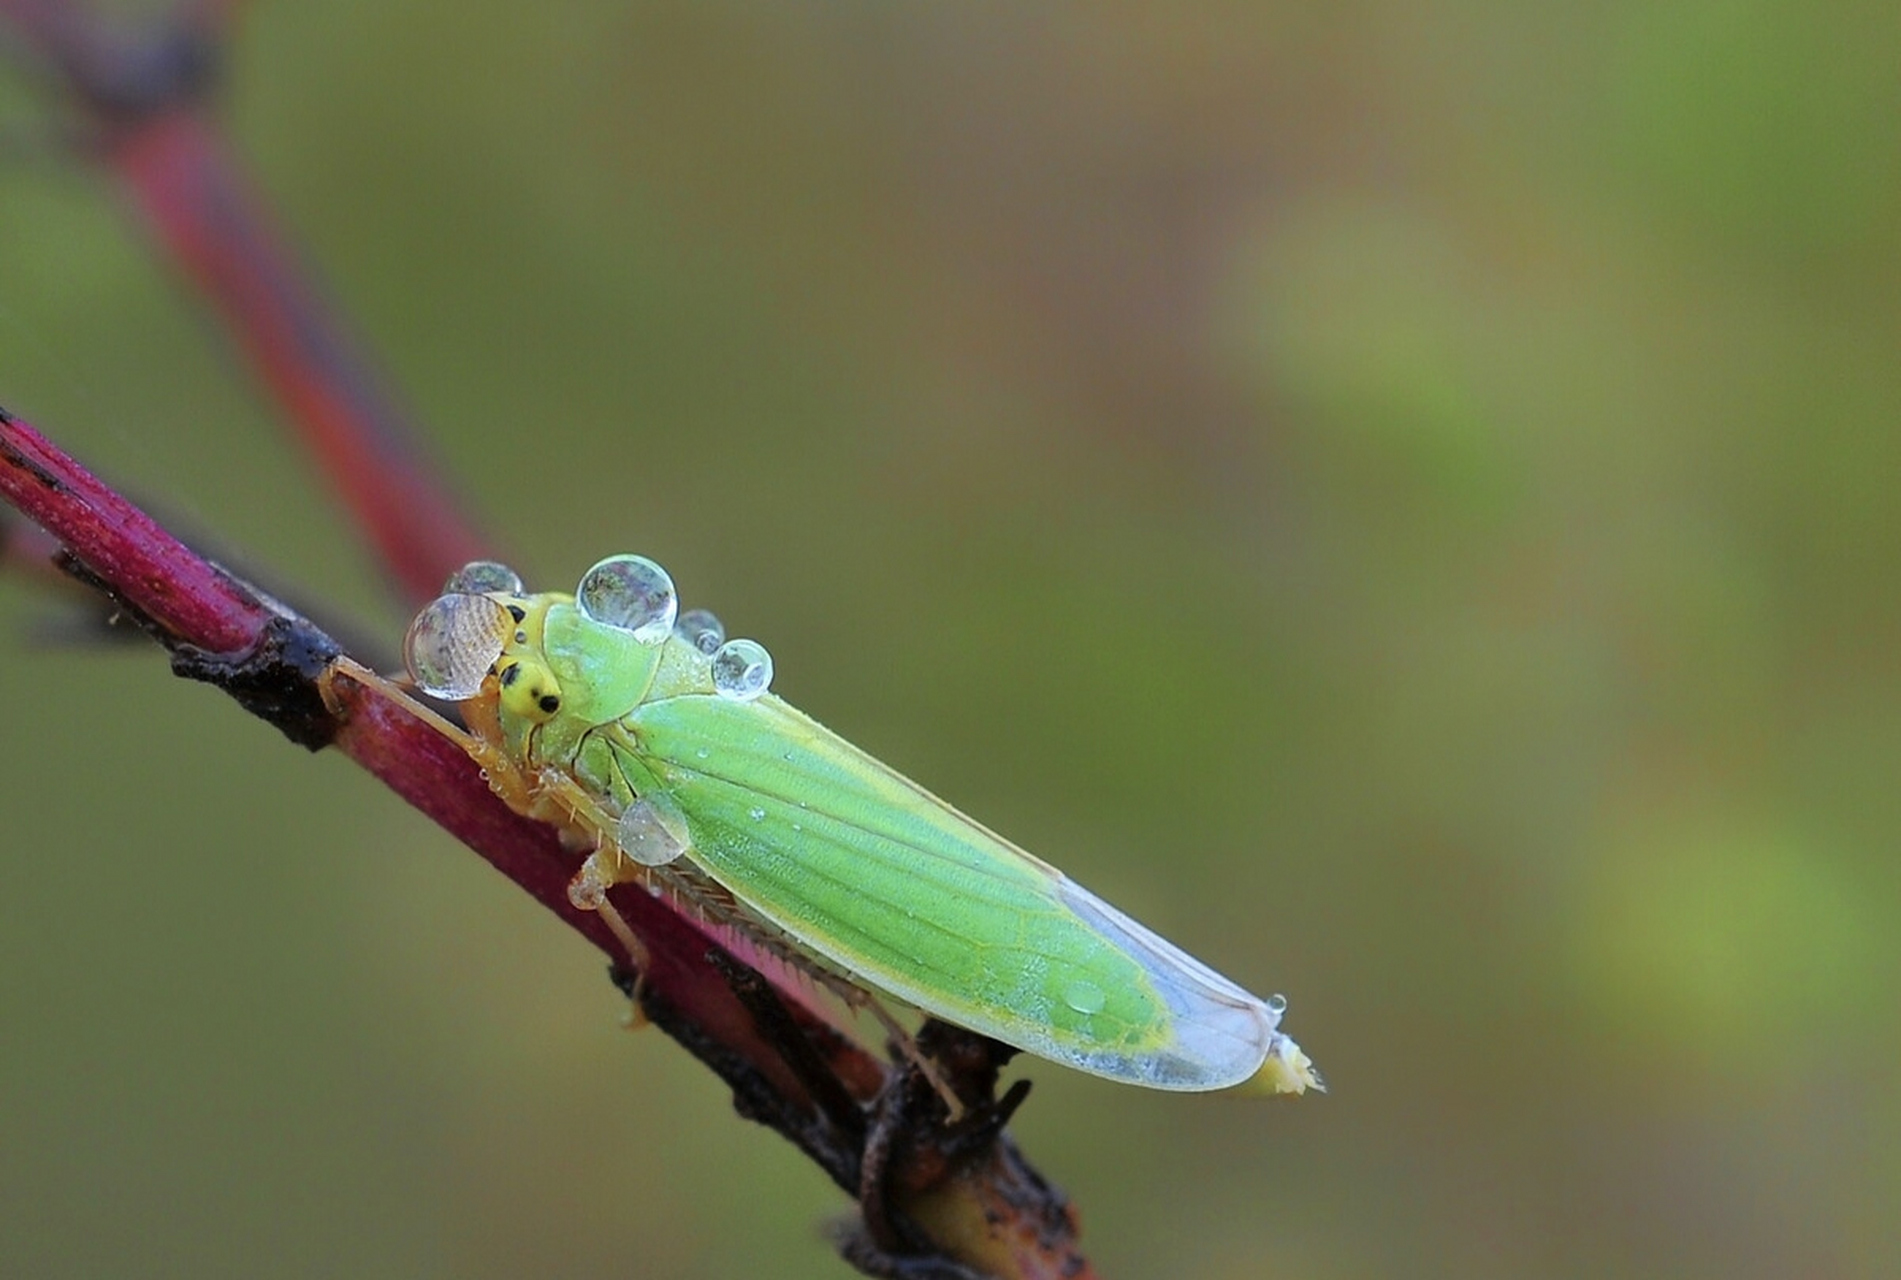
494	763
560	798
908	1046
534	796
588	891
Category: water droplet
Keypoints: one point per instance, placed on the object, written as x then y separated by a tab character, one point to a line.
742	670
701	629
756	814
586	892
1084	996
452	644
482	576
702	753
647	835
1277	1004
631	593
797	827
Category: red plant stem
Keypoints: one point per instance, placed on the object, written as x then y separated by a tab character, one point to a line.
142	96
981	1205
126	548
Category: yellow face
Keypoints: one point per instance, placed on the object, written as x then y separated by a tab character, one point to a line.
525	687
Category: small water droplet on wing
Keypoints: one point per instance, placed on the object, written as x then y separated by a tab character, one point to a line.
742	670
1084	996
645	835
702	629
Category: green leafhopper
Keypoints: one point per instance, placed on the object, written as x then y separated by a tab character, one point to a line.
656	736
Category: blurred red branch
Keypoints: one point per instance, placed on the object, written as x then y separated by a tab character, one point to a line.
141	97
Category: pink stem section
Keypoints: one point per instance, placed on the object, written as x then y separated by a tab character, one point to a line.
124	547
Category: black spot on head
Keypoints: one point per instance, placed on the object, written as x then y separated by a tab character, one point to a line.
549	703
516	612
510	674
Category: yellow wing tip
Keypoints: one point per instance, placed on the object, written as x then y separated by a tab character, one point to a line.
1287	1070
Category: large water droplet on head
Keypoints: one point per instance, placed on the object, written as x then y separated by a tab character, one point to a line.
631	593
479	577
1277	1004
701	629
1084	996
649	834
742	670
452	644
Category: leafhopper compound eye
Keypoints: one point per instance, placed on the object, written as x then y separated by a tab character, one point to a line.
453	643
630	593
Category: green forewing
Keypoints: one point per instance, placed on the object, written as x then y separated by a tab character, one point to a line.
871	871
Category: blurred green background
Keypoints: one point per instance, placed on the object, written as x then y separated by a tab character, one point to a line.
1400	498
